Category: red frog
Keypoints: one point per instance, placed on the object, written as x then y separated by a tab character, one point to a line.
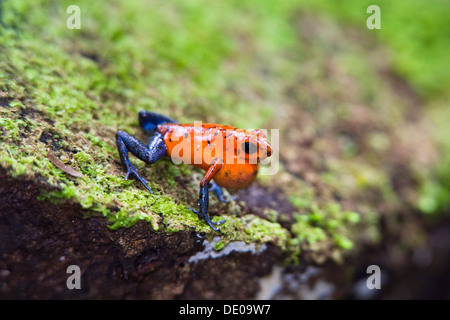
229	155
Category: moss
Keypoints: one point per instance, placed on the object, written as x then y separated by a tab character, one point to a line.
252	229
259	230
271	215
8	159
330	224
219	246
306	231
57	197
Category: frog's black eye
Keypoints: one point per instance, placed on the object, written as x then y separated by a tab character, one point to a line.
249	147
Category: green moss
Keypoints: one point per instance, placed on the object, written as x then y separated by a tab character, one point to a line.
271	215
59	196
260	230
219	246
306	231
343	242
8	160
252	229
11	128
328	224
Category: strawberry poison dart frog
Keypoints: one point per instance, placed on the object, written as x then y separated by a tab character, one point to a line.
229	155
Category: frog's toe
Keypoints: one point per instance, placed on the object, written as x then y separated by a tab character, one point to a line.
147	187
134	173
226	199
193	210
218	222
222	198
212	224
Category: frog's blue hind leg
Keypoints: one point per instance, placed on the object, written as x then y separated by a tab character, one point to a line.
212	186
150	153
155	150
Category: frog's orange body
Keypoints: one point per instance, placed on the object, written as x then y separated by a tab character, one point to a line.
210	143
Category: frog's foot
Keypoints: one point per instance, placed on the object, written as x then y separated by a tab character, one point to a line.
193	210
207	219
212	186
131	171
212	224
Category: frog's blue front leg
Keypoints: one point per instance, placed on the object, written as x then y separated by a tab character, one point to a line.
203	199
155	150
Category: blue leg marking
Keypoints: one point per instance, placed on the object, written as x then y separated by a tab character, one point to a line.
155	150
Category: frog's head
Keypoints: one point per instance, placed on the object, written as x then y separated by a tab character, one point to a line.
255	146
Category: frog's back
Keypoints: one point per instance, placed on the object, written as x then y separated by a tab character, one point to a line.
199	144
